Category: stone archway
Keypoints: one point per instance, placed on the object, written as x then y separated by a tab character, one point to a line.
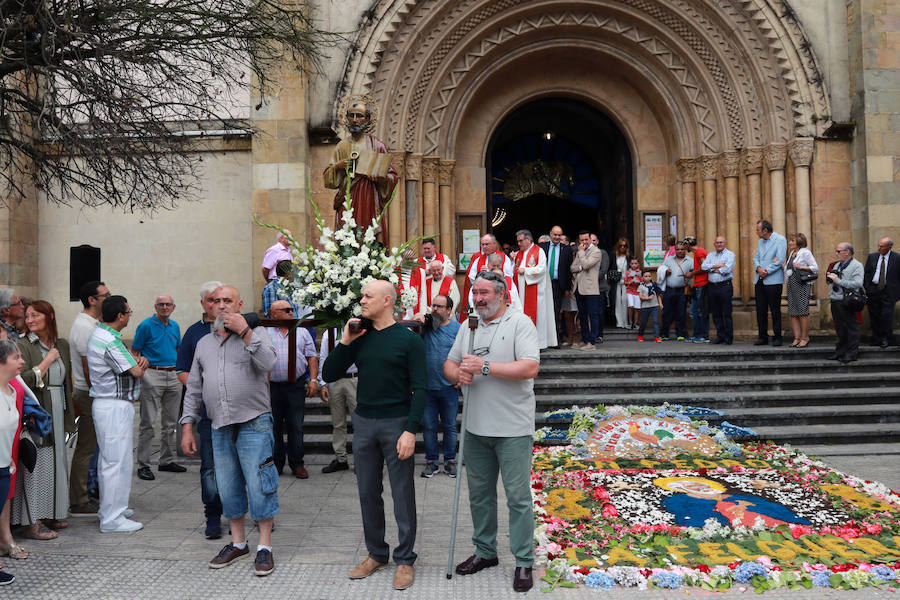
714	94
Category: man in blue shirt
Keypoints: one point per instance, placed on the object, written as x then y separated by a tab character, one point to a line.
768	281
443	397
158	339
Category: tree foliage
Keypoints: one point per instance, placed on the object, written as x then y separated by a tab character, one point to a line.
96	96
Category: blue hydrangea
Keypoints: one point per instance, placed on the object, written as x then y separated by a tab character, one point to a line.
582	435
884	573
596	580
556	435
745	571
821	578
667	579
561	415
704	429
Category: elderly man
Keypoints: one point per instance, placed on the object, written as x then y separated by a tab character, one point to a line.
12	310
768	281
115	385
92	295
844	275
280	250
533	281
229	376
559	261
430	254
587	263
436	282
389	406
720	269
478	263
158	338
677	269
209	491
882	283
499	425
289	397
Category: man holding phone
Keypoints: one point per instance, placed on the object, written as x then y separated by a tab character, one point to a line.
389	405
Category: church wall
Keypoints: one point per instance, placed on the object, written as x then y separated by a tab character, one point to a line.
170	252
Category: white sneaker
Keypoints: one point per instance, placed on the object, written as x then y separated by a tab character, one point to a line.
125	526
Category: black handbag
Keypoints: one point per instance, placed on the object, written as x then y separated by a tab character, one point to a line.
27	451
614	276
805	276
855	300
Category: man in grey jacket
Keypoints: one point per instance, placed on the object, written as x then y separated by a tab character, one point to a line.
845	274
586	266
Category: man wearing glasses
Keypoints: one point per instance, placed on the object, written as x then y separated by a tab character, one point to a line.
499	424
443	397
13	311
845	274
92	295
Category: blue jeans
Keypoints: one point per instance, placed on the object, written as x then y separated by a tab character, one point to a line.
244	467
589	308
443	404
209	491
650	313
700	312
93	484
288	402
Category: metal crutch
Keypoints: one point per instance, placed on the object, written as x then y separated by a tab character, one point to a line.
473	324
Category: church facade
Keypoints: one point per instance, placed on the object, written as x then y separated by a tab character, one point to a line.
632	118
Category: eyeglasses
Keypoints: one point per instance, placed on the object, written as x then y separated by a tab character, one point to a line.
839	250
164	304
19	303
623	245
102	296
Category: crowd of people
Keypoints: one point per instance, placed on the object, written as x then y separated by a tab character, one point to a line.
227	381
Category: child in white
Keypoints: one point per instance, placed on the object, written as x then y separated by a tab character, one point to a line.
632	280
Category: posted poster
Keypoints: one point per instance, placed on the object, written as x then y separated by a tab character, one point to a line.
471	241
653	240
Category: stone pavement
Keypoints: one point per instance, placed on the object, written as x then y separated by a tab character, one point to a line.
317	540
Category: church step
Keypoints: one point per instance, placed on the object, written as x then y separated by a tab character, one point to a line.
848	433
649	352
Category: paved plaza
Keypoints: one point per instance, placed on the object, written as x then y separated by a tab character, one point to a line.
317	540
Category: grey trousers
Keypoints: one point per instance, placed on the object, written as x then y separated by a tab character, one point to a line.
160	395
374	444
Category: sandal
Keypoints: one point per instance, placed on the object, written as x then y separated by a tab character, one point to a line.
41	533
14	551
56	524
803	343
795	343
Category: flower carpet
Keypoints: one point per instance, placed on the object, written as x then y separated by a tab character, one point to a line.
656	497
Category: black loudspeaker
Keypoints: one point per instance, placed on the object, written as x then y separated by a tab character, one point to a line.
84	266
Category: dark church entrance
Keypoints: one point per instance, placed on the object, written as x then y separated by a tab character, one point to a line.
560	162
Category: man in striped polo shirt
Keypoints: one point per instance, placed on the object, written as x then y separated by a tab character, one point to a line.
115	385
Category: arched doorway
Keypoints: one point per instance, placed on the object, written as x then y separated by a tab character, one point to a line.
559	161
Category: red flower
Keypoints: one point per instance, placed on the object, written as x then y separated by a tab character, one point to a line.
734	565
701	471
609	511
703	568
646	572
843	568
583	571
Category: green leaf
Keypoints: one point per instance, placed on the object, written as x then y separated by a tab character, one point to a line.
567	584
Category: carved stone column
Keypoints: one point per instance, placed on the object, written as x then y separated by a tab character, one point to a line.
776	155
687	174
429	195
709	170
445	193
397	212
731	168
801	150
413	201
752	163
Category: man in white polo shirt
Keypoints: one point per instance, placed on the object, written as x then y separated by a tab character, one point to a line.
499	423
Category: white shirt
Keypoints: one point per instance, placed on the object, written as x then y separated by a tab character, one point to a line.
81	332
883	258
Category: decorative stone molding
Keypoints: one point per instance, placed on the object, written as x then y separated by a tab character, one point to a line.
445	176
801	151
398	161
752	159
709	166
730	163
776	156
687	169
430	169
414	166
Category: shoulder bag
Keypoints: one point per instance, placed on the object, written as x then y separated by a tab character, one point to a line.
855	300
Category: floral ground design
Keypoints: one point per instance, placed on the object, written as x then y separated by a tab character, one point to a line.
650	514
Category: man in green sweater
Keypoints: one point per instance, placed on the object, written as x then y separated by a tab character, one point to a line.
389	406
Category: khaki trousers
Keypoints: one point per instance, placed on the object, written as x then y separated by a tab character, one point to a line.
85	446
342	403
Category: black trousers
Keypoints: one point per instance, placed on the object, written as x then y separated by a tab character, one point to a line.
768	299
720	307
881	313
558	292
847	328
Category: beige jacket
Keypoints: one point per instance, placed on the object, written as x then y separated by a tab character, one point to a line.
586	270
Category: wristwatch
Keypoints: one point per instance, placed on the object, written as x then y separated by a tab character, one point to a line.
486	368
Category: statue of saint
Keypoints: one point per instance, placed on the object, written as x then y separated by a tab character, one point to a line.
373	179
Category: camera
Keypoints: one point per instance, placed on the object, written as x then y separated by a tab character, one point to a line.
429	321
360	324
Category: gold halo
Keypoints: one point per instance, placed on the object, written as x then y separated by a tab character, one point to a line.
366	99
664	482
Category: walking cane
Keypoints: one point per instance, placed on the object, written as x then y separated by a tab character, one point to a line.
473	324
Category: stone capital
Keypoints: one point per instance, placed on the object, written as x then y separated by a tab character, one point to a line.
430	169
398	161
445	174
709	166
801	151
776	156
414	166
687	169
752	158
730	163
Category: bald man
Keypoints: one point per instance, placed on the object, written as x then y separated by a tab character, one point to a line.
389	405
229	376
882	281
158	339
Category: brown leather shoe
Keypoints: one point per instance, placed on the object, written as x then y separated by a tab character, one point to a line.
366	568
403	577
301	473
228	555
475	563
522	581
